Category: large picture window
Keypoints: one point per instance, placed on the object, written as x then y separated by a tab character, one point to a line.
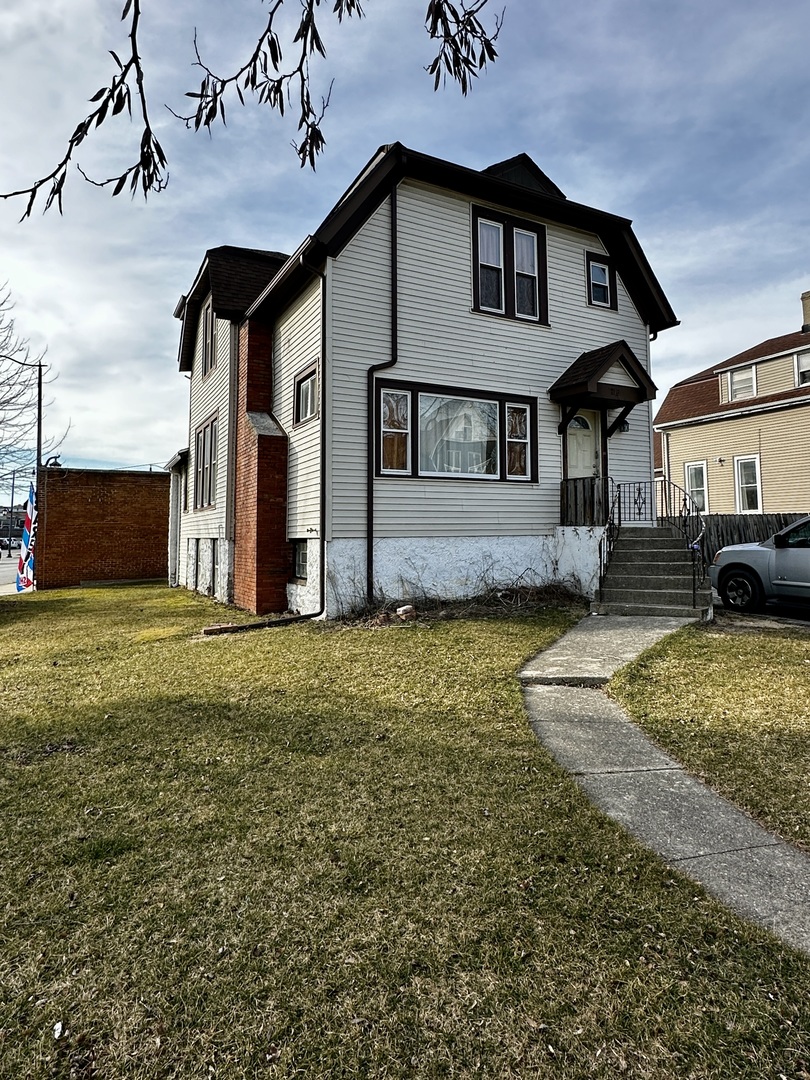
509	259
205	465
438	432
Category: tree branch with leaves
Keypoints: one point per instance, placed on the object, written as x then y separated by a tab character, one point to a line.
464	48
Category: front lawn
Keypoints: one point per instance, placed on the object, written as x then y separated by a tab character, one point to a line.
731	700
337	852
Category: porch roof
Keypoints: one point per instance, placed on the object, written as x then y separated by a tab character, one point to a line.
594	380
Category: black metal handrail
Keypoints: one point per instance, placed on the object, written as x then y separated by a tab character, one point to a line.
657	503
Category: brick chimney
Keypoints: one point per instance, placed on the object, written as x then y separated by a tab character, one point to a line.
806	312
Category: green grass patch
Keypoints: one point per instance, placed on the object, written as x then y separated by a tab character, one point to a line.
325	851
732	702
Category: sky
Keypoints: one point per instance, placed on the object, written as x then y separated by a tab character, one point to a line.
690	117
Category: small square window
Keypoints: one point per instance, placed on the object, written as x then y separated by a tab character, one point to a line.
306	396
300	559
601	280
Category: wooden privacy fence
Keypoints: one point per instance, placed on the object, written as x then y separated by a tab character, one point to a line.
725	529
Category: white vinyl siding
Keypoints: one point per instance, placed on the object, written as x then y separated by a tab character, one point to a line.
449	344
296	353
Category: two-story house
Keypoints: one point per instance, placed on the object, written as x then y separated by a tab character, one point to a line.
736	435
394	411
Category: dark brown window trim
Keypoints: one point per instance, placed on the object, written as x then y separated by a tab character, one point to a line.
604	260
502	400
304	376
509	225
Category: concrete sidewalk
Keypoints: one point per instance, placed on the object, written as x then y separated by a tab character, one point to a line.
625	774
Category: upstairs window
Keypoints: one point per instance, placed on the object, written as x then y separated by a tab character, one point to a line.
741	384
306	396
509	273
209	342
803	369
601	280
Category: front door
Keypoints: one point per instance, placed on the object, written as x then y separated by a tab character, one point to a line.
583	445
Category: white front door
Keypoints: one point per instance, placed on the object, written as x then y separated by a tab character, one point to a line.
583	445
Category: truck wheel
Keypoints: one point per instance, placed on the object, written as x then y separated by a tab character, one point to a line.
740	590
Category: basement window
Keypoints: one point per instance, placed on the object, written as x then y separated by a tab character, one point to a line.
300	560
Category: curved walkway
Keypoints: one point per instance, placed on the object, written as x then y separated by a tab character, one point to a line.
649	793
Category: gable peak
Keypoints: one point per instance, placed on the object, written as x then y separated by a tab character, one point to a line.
523	171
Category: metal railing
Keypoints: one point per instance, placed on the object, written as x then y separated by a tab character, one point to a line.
658	503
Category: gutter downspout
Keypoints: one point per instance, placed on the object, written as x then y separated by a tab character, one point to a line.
370	409
322	404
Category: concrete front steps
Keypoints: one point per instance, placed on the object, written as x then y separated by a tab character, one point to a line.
650	573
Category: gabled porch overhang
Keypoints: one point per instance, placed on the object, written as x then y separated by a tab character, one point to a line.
610	381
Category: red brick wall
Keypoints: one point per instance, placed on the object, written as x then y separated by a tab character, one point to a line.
98	525
262	556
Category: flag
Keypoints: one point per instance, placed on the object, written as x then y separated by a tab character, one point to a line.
25	567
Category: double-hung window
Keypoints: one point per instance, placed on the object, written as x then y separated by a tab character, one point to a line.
509	259
437	432
741	383
695	478
803	369
601	280
747	484
205	465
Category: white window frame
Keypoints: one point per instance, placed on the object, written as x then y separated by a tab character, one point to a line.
492	266
739	371
300	559
738	487
801	363
396	431
687	465
306	396
592	284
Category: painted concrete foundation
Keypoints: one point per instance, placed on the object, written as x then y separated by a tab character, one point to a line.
407	568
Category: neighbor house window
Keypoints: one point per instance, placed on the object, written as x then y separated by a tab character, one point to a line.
205	465
601	279
695	477
306	396
509	267
741	384
209	342
300	559
747	485
433	433
803	369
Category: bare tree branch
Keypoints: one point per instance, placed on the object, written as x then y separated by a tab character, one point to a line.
18	392
465	48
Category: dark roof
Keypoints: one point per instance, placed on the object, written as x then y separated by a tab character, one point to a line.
699	395
234	277
582	379
517	185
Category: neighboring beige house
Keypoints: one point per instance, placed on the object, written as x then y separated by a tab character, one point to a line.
737	435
